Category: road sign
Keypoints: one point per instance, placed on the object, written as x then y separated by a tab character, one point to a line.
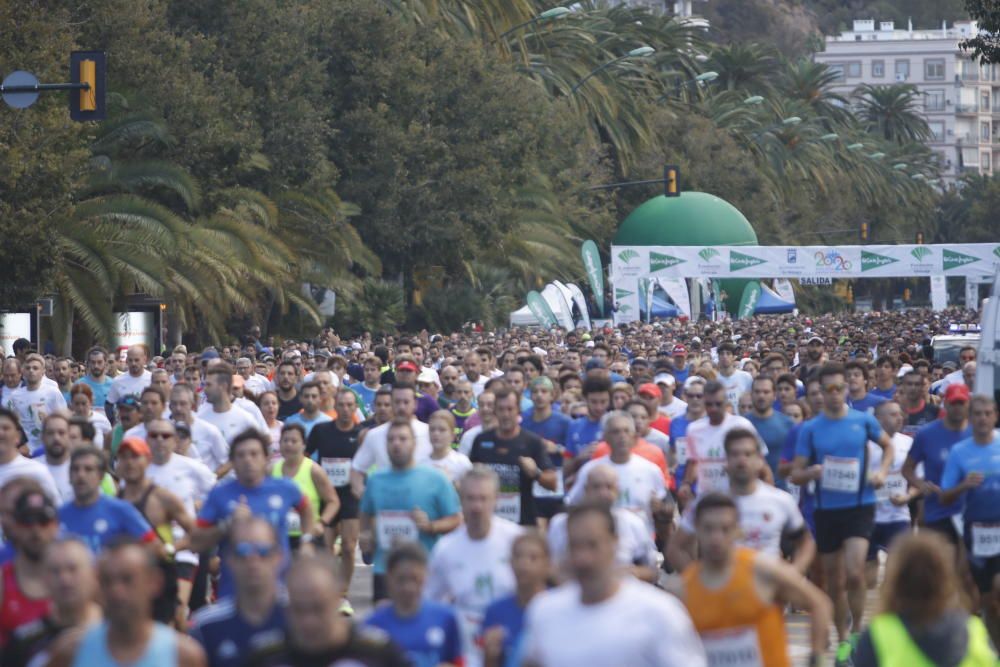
815	281
22	99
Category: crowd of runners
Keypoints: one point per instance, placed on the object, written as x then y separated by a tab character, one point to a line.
648	494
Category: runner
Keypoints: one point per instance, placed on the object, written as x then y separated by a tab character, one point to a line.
733	593
603	617
694	395
219	410
97	378
210	446
917	408
311	480
286	377
735	382
34	401
832	450
309	415
771	426
55	440
441	428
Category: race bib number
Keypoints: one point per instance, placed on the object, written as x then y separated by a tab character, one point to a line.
540	491
895	485
795	492
509	507
294	522
712	476
337	470
733	648
985	540
841	474
682	450
395	527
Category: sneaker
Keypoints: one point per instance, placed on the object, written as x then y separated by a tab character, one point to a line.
345	608
844	651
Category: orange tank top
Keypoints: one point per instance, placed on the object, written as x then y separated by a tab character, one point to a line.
737	628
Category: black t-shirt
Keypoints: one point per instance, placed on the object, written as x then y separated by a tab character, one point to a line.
916	420
333	449
288	408
30	640
366	647
517	501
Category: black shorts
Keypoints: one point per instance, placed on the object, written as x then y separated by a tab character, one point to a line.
185	571
983	569
836	526
945	528
549	507
379	591
883	535
349	504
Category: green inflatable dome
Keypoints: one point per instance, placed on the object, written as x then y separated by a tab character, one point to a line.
693	218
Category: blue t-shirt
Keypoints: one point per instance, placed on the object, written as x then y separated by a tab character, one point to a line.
367	395
678	430
555	428
807	499
271	500
887	394
229	639
866	404
509	615
931	446
100	390
983	502
103	521
841	446
391	495
581	433
7	553
429	638
773	430
300	419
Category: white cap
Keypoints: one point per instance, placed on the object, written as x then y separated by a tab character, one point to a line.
665	378
540	351
429	375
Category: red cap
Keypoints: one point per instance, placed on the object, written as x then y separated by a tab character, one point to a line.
650	389
407	365
956	393
680	349
137	445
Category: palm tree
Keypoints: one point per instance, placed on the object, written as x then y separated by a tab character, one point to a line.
811	82
891	112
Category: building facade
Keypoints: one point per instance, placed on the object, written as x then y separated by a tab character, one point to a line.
960	99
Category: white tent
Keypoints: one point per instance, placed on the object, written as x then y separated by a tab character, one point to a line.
523	318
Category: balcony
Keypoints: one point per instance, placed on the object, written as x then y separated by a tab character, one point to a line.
970	139
971	108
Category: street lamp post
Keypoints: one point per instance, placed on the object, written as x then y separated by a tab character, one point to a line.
548	14
640	52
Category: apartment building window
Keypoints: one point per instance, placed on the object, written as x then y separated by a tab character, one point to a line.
937	129
838	70
854	69
934	99
970	71
985	161
984	132
934	69
878	69
902	70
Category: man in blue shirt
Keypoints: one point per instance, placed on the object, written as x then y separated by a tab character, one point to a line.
553	428
694	395
253	619
96	377
832	450
309	415
366	389
252	493
428	631
587	431
406	503
93	517
858	396
931	446
973	473
772	426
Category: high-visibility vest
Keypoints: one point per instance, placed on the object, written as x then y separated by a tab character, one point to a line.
895	648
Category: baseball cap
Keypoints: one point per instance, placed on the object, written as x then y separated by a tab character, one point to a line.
428	376
183	429
680	349
956	393
812	338
407	365
665	378
650	389
209	354
128	402
34	507
136	445
324	354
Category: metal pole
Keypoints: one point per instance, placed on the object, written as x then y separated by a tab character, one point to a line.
43	87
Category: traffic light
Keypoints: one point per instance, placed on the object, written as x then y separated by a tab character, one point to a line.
864	231
920	238
906	294
672	181
90	68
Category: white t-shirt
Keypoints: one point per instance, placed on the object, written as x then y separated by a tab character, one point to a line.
251	409
209	444
126	385
638	481
101	425
737	383
635	544
454	465
232	422
673	409
479	385
258	384
470	574
705	445
190	481
22	466
373	451
639	626
895	483
765	515
469	437
32	406
60	475
660	439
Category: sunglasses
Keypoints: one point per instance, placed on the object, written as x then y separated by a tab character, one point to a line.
35	520
694	395
833	388
259	549
714	404
153	436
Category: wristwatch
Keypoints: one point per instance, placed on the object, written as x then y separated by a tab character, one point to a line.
306	538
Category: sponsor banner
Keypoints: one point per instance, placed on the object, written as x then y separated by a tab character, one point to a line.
971	294
875	261
939	292
783	288
626	300
748	303
540	309
677	290
595	273
581	304
557	303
